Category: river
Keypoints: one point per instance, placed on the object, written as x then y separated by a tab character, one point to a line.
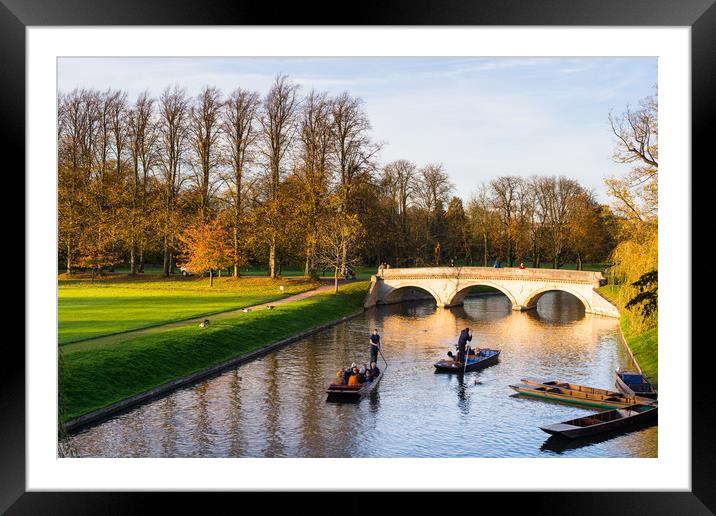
276	406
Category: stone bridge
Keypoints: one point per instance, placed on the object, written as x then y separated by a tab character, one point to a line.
449	286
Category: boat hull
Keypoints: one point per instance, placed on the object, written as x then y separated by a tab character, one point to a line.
449	366
603	422
342	393
645	390
555	395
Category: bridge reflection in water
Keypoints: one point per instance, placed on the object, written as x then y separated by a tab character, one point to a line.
275	406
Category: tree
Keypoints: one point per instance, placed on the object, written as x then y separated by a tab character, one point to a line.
239	119
206	247
173	131
142	137
636	203
353	148
338	233
648	296
505	192
482	219
314	167
204	133
637	132
278	126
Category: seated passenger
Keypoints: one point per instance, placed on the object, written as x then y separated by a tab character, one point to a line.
361	375
374	371
368	376
340	376
354	378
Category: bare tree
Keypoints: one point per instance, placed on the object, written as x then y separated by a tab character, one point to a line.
278	126
204	132
637	135
398	180
239	126
173	122
505	191
142	136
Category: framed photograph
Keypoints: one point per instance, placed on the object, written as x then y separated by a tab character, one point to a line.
417	250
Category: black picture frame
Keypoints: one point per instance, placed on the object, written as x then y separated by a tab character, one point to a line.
700	15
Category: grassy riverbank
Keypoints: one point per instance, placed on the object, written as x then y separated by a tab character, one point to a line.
91	308
644	345
94	378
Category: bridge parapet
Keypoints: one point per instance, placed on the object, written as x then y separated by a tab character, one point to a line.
591	277
449	286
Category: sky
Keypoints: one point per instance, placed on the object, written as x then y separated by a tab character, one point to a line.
479	117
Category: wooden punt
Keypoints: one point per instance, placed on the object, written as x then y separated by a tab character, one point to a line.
590	391
486	357
338	392
550	392
634	384
603	421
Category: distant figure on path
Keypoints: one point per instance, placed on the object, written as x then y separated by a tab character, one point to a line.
522	265
204	323
497	264
452	262
374	345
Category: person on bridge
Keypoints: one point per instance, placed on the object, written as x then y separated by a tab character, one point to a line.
522	265
462	341
374	345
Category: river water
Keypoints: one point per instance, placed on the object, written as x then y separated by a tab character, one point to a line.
276	406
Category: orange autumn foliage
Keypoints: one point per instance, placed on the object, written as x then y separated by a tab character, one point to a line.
206	247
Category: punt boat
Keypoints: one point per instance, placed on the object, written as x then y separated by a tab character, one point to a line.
603	421
486	357
550	392
590	391
338	392
634	384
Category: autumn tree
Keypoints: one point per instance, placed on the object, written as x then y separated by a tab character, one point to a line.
339	232
314	168
278	125
206	247
173	134
142	139
635	198
239	127
353	149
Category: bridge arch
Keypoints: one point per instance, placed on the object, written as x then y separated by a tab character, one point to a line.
407	292
461	293
534	297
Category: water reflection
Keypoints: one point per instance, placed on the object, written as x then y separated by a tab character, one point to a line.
275	406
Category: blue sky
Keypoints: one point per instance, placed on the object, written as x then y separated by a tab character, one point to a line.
479	117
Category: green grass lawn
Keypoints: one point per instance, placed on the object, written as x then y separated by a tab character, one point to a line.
644	345
94	378
89	309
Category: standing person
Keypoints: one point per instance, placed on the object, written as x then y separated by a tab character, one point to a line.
497	264
462	341
522	265
374	345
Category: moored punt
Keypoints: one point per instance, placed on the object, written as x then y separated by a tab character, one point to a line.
634	384
592	392
486	357
338	392
603	421
553	393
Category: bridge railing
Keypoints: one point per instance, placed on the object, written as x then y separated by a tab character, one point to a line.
508	273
